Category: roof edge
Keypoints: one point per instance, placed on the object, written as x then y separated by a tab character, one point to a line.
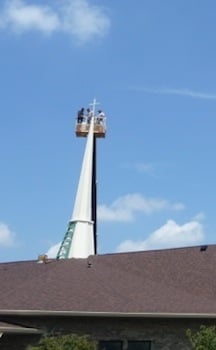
105	314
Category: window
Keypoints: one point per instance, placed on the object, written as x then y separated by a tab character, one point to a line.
139	345
110	345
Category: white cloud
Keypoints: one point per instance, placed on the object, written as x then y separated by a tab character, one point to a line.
124	208
83	20
78	18
6	236
179	92
168	236
53	250
22	17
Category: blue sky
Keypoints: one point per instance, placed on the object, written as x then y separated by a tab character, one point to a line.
151	64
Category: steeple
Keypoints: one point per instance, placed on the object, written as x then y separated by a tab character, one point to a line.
80	238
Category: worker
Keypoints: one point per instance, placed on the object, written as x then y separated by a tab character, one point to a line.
80	115
100	117
89	115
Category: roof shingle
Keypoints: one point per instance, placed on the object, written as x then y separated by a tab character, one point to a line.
179	280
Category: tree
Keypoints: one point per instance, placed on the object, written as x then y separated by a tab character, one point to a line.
64	342
204	339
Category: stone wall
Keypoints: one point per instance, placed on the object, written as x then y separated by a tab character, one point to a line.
165	334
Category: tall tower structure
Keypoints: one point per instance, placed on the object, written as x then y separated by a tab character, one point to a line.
80	239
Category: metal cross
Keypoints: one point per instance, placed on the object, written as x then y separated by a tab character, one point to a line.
94	105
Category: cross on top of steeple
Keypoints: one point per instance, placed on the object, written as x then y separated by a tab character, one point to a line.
93	105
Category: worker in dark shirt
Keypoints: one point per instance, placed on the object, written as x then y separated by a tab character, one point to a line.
80	115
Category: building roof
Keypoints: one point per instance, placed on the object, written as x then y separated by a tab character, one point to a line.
175	281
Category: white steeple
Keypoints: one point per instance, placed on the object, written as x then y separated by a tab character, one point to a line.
80	238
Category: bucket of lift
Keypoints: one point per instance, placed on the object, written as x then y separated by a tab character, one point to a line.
82	129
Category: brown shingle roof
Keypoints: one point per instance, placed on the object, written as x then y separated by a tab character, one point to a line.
179	280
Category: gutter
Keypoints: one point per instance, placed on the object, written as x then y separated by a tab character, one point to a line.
104	314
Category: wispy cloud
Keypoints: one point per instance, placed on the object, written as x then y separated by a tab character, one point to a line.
199	217
141	167
78	18
179	92
169	235
6	236
146	168
124	208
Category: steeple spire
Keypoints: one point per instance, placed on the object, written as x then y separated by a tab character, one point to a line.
80	239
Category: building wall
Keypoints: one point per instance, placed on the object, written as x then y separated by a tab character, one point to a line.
165	334
17	341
